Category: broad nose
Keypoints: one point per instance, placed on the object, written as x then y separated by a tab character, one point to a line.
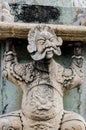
48	43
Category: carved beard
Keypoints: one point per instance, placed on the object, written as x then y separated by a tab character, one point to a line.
37	56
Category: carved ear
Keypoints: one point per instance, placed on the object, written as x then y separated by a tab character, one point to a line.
31	48
58	52
60	41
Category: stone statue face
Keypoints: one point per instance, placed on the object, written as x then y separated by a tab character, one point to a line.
44	44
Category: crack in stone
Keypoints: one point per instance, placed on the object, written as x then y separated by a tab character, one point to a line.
21	120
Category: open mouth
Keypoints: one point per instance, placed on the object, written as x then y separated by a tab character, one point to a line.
49	51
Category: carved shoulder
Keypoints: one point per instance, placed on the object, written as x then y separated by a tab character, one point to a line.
72	78
64	76
22	72
17	70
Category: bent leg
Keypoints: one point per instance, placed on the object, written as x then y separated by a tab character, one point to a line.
73	121
11	121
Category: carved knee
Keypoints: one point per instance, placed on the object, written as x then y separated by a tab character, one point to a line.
10	122
7	124
73	125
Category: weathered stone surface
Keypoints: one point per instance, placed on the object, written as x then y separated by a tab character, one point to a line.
62	3
43	14
77	95
43	82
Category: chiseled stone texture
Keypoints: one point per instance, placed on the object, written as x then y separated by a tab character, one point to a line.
43	14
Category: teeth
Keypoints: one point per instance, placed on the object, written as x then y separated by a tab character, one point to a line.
49	49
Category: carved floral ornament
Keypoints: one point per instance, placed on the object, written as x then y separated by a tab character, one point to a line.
43	82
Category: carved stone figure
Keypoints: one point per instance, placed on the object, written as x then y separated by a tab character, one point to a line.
5	14
80	17
43	82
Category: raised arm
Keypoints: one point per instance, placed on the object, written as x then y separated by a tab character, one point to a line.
12	70
73	77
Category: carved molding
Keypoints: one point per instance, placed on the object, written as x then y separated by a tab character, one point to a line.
20	30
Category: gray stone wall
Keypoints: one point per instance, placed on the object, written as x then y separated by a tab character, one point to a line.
61	3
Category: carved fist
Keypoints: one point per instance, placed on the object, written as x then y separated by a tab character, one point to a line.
78	49
9	46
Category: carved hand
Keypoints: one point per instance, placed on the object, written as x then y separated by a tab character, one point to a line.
9	46
78	49
77	57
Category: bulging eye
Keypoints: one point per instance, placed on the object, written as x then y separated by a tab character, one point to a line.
41	41
52	39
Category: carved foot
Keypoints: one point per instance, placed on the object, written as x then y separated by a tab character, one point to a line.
73	121
11	121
